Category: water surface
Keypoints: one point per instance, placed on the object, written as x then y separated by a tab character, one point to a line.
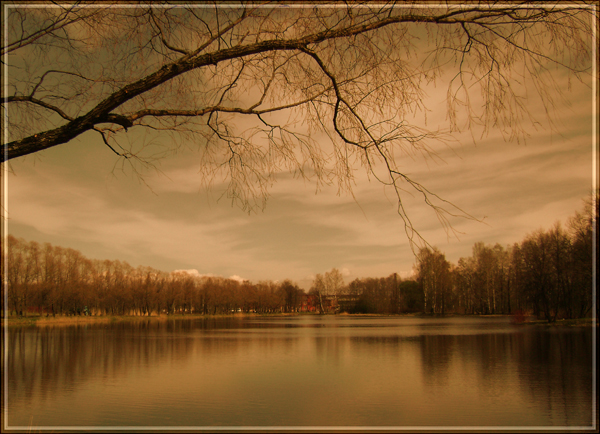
299	371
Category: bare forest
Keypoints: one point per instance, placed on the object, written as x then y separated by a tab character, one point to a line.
548	274
325	94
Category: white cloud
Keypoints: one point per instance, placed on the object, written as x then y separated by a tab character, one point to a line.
237	278
192	272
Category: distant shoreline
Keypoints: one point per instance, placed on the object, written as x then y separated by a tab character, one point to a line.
41	321
99	319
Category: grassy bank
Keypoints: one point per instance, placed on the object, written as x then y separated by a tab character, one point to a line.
579	322
16	321
42	320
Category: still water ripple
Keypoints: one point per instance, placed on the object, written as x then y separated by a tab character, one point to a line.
300	371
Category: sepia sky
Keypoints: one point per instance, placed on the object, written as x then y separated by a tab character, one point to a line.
76	196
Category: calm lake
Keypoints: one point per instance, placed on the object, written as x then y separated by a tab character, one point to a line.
301	371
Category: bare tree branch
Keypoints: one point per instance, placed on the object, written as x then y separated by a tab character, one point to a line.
41	103
353	74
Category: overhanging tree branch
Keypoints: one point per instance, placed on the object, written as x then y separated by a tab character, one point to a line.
194	60
354	75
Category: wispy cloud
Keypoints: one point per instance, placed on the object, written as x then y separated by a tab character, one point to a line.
69	196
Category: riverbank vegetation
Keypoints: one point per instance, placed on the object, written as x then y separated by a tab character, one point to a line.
548	275
35	320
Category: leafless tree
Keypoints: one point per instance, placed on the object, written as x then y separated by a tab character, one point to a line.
317	290
375	295
483	280
292	295
261	88
434	277
583	230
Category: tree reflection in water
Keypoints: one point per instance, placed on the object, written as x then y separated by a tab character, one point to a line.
340	371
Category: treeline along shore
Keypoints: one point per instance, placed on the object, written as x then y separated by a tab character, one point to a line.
548	275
